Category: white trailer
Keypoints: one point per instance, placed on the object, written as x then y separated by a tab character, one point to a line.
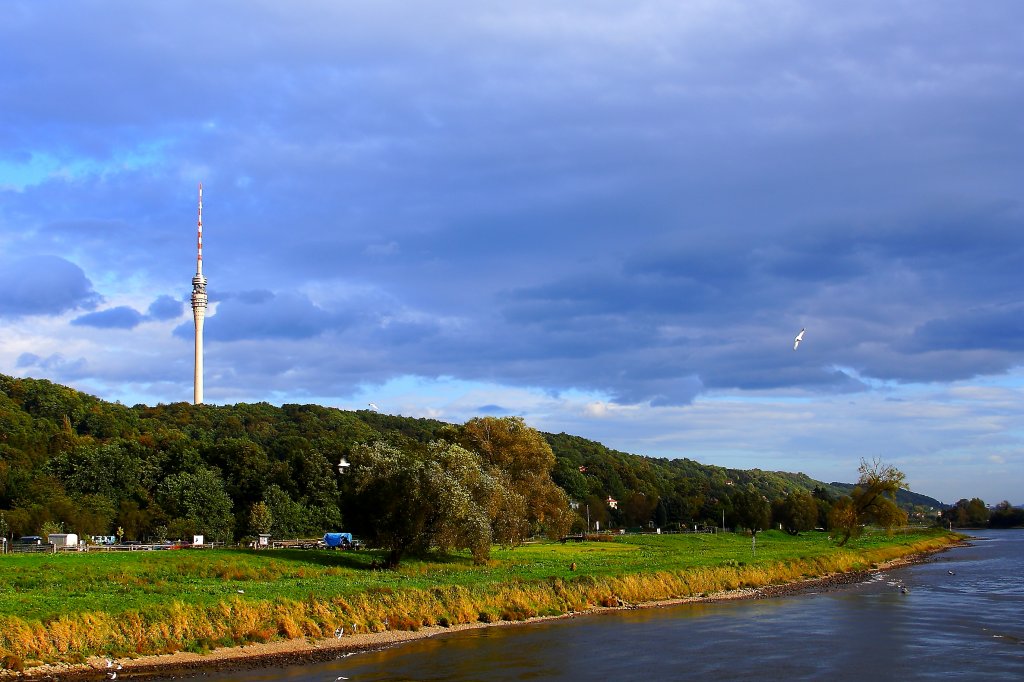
60	540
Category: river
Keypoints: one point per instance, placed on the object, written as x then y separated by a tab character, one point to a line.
959	616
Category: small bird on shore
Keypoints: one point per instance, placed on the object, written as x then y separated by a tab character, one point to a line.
798	339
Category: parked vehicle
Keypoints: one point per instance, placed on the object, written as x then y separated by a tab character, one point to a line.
339	541
63	539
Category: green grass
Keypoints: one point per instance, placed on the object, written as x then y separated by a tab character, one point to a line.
57	607
44	586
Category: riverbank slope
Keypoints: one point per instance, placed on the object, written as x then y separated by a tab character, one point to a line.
270	620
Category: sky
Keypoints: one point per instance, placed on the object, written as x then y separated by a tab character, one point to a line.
609	218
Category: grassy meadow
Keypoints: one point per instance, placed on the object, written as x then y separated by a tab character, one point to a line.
67	607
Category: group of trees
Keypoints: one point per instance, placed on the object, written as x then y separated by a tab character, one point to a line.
70	460
975	514
485	482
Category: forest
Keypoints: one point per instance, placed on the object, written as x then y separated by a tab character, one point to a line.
71	462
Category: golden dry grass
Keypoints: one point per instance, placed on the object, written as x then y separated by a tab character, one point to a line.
184	625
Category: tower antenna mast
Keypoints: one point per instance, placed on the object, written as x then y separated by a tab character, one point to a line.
199	301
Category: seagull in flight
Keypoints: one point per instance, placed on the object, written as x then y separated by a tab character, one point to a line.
798	339
373	407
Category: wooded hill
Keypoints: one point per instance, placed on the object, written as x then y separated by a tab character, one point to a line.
70	459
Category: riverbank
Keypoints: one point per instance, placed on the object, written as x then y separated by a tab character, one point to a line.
309	650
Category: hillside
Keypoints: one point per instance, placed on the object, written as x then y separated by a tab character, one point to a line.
905	498
72	458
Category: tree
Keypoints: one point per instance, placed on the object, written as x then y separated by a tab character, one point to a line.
94	515
638	508
289	518
1006	516
824	501
408	499
137	521
197	504
972	513
798	512
49	528
751	509
873	500
525	461
260	518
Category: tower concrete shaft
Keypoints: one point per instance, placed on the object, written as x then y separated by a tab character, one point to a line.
199	301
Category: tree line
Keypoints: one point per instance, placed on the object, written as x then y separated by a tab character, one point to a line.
69	460
974	513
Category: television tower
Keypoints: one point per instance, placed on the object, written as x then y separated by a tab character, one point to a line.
199	306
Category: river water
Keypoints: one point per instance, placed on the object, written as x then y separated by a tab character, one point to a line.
960	616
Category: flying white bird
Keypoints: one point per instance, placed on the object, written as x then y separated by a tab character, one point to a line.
338	632
373	407
798	339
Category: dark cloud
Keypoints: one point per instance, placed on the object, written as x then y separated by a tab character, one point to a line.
165	308
492	410
265	315
254	297
43	285
55	365
991	328
121	317
643	201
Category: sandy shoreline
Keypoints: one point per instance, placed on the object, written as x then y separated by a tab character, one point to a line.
301	650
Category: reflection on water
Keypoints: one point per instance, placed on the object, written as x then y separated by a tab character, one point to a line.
961	616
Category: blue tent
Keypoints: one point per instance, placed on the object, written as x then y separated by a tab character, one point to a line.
337	539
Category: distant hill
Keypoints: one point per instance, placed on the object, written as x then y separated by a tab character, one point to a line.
69	455
695	489
905	498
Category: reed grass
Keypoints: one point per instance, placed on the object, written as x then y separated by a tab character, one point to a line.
147	603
